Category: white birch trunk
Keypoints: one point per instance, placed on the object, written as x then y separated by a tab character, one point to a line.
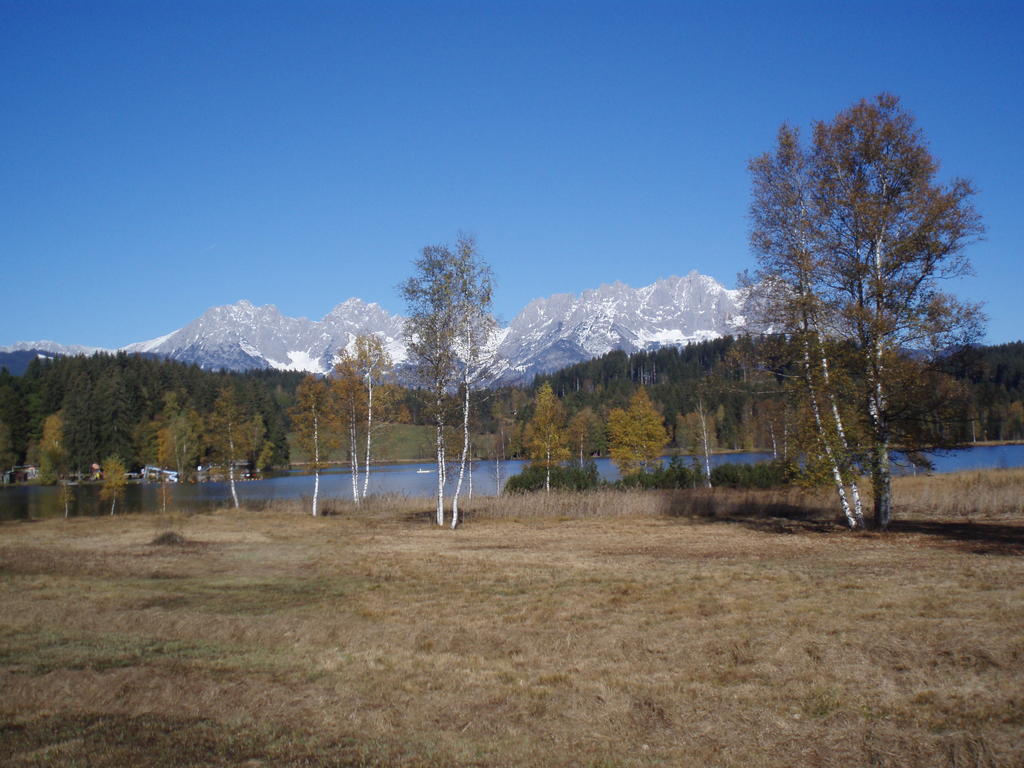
316	489
858	511
231	471
882	476
465	452
316	460
355	462
369	431
440	472
837	477
547	476
881	471
707	447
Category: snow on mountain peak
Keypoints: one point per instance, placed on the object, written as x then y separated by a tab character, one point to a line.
53	347
547	334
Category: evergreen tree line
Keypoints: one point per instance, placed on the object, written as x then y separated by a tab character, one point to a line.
680	380
745	393
995	379
636	440
123	405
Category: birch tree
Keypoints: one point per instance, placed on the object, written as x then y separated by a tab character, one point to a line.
314	421
636	435
374	365
114	481
892	233
474	293
350	395
546	437
431	334
585	431
54	458
869	242
229	434
705	421
179	438
164	457
787	298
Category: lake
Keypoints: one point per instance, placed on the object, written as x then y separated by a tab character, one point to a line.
21	502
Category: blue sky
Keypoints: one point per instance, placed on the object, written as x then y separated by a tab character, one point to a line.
158	158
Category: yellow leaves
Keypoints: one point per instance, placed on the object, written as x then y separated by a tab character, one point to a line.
347	387
314	419
114	479
636	436
546	431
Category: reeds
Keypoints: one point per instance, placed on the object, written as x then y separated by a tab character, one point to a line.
977	495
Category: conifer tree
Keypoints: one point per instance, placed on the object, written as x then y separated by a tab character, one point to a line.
8	456
81	424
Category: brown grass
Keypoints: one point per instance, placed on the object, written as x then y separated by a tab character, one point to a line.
720	629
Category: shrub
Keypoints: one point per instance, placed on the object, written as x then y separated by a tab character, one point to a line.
764	474
676	475
574	478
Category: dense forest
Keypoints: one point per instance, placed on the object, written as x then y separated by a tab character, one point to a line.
742	387
116	405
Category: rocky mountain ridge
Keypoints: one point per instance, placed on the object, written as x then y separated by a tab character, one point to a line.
547	334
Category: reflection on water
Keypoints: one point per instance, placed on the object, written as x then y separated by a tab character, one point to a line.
420	480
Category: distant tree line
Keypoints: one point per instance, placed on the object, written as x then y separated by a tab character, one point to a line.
85	409
727	394
729	390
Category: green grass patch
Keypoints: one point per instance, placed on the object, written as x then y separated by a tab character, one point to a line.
248	598
47	651
156	741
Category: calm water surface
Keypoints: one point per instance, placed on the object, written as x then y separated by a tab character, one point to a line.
418	480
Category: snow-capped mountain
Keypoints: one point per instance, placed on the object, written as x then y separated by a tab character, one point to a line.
52	348
546	335
242	336
564	329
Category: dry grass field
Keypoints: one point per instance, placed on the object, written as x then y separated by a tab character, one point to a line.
690	629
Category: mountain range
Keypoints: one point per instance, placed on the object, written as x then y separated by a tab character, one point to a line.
547	334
